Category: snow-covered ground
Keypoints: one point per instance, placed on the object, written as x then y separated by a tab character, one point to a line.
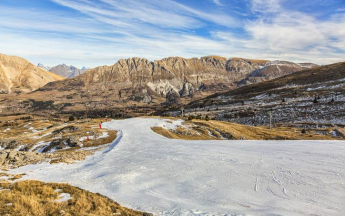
148	172
104	135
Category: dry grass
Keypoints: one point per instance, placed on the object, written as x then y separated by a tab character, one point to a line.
216	130
37	198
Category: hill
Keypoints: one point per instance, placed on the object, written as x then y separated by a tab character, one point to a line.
19	75
314	96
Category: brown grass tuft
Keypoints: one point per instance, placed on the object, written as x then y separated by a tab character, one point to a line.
37	198
216	130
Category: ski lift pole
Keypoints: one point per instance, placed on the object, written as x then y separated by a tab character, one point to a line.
270	114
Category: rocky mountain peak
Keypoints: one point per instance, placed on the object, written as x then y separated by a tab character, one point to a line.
173	78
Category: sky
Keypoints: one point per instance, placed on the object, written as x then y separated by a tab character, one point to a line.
100	32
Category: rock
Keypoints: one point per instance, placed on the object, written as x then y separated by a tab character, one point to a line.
147	99
58	144
12	158
73	142
3	156
9	144
340	132
187	90
67	129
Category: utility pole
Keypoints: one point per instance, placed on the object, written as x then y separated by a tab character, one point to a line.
270	114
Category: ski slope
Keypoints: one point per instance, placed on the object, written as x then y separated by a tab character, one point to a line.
145	171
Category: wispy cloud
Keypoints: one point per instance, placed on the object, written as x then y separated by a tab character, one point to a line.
100	32
267	6
217	2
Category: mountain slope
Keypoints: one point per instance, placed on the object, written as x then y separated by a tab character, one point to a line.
274	69
168	79
314	96
19	75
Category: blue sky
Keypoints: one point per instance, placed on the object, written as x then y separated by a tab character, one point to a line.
99	32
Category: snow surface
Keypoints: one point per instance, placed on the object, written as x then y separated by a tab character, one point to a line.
33	130
104	135
41	144
64	197
148	172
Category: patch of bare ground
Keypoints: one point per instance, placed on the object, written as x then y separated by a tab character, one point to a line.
28	140
218	130
34	198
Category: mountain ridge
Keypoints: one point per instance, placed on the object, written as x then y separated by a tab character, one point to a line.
19	75
171	77
64	70
311	98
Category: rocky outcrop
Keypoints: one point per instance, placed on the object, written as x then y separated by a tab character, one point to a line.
9	144
19	75
339	132
170	78
140	80
12	158
67	129
63	143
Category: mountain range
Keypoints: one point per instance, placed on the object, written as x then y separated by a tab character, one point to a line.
174	78
64	70
237	89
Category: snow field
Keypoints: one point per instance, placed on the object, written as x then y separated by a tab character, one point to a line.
149	172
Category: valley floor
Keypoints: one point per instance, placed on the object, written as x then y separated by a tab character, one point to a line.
146	171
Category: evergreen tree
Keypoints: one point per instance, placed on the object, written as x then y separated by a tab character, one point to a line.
315	100
207	118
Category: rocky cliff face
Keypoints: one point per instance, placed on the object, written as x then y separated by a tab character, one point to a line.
19	75
171	78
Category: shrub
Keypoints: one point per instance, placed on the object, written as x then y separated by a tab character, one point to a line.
207	118
71	118
303	131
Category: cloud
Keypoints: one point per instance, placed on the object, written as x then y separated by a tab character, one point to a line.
217	2
266	6
100	32
293	36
